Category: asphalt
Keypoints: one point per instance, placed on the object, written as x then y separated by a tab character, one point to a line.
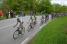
7	30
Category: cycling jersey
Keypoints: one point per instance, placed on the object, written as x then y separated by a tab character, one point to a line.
20	23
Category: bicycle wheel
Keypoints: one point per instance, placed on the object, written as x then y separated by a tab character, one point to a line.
15	35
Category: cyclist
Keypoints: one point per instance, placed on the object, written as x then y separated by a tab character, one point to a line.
46	17
31	22
35	18
20	26
42	19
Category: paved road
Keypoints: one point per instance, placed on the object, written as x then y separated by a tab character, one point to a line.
6	33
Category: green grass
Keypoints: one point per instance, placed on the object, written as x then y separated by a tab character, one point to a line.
54	33
2	18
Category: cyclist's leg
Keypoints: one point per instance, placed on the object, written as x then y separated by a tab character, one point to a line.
41	21
34	22
31	25
23	29
18	30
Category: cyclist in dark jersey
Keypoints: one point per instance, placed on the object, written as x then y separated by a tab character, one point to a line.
42	19
35	18
31	22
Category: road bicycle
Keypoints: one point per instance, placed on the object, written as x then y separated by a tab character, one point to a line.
31	26
18	32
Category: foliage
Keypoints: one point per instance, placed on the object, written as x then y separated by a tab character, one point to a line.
33	5
30	5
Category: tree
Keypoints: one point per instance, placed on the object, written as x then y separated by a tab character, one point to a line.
29	5
44	5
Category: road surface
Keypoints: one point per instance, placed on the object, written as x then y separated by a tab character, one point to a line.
7	30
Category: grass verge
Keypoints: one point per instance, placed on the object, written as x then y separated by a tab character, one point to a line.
54	33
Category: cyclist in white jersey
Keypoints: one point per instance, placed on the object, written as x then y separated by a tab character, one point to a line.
19	22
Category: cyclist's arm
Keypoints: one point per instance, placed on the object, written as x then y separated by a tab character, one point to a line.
16	24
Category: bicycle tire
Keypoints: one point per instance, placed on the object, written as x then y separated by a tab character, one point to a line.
15	37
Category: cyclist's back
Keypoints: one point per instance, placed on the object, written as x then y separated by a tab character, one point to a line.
35	18
20	23
31	19
42	18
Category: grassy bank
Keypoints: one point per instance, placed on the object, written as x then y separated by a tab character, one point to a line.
54	33
2	18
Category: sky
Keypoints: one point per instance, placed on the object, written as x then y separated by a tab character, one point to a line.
61	2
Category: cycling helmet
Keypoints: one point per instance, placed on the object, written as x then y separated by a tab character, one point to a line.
18	19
